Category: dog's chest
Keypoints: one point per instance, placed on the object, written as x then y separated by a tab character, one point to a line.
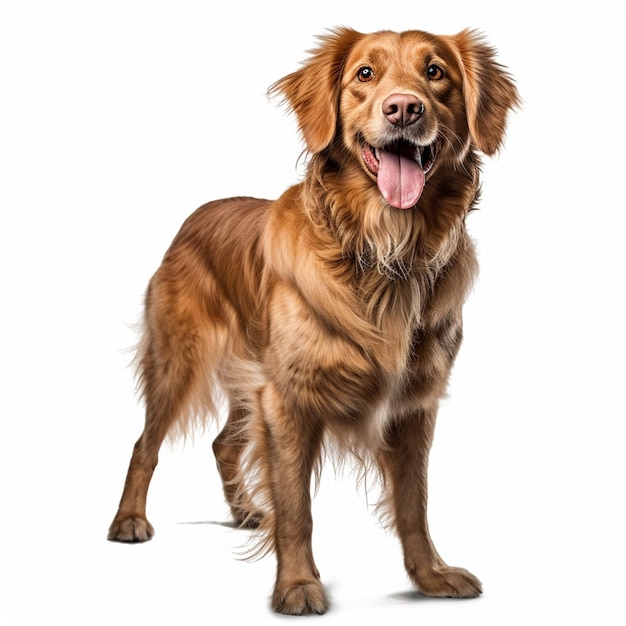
318	369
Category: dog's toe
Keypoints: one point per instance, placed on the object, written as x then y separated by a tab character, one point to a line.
131	530
449	582
305	599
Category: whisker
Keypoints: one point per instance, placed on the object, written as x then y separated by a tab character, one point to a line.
457	144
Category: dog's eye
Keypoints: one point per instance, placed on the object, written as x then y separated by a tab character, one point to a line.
435	72
365	74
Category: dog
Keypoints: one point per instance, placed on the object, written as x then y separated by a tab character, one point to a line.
330	318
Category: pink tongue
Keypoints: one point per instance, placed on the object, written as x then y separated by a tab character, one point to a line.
400	179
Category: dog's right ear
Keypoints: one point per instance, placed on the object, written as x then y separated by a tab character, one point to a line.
312	92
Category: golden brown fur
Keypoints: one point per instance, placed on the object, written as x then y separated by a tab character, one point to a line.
329	316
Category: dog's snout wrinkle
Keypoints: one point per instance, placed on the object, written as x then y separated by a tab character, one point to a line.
403	109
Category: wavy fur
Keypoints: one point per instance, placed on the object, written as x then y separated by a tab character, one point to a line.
329	319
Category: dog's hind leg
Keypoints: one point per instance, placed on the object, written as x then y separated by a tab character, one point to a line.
171	360
229	447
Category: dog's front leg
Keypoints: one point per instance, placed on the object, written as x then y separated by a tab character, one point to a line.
292	448
404	462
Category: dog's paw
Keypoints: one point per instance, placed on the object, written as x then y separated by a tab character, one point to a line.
448	582
304	599
131	530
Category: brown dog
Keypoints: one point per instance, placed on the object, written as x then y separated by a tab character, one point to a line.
333	314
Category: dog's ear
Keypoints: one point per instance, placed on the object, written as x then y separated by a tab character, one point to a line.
488	89
312	92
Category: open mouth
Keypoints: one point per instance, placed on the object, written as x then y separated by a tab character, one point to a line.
400	169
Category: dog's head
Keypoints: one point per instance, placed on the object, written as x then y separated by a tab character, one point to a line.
400	104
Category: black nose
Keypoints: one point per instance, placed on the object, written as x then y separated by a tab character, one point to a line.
403	109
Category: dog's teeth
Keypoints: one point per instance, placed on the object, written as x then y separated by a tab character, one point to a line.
418	155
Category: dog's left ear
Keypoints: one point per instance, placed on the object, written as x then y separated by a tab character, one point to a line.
312	92
489	91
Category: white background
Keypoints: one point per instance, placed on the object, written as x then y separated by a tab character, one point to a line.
117	119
